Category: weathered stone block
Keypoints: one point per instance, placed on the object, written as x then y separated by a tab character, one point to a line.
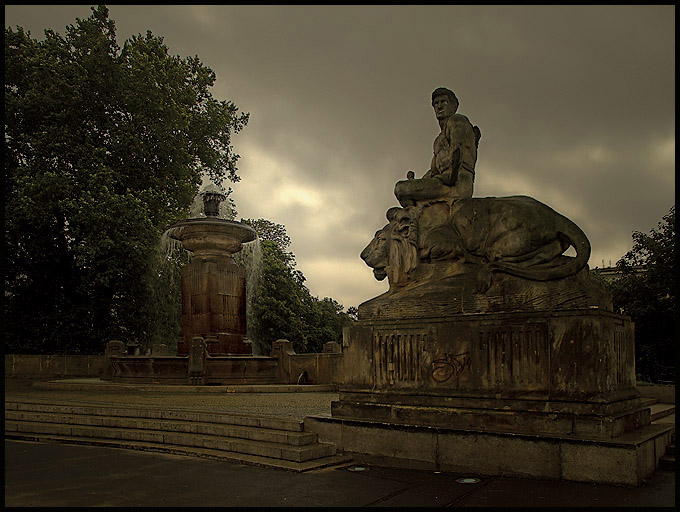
496	455
329	432
332	347
589	462
399	443
159	349
561	372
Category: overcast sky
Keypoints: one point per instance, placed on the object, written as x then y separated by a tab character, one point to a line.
576	105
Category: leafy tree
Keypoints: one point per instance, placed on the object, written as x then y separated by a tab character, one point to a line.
104	148
278	302
649	298
325	322
282	306
268	230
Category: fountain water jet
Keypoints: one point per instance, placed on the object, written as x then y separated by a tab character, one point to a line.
250	259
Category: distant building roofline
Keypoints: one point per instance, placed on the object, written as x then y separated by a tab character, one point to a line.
615	272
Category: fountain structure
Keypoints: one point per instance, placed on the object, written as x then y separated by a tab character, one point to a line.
214	349
213	285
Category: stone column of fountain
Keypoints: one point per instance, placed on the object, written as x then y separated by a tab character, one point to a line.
213	285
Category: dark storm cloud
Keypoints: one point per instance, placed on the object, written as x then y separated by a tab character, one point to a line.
576	105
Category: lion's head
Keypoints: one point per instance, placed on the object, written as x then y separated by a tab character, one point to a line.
393	252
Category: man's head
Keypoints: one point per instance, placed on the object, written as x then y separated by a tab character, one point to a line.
444	102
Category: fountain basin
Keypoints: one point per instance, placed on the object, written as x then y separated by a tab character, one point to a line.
211	235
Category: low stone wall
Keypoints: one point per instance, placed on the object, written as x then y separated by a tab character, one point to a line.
45	367
283	366
235	370
147	370
665	393
315	368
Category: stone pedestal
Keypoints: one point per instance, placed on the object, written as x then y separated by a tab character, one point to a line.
197	362
114	349
213	286
548	394
214	306
561	372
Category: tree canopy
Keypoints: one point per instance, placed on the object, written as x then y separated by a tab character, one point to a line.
282	306
105	146
268	230
649	298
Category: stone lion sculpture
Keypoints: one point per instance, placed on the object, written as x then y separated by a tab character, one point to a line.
393	252
516	235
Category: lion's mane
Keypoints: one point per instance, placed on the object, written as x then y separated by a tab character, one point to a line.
403	248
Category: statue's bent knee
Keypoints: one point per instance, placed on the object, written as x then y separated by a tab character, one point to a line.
419	189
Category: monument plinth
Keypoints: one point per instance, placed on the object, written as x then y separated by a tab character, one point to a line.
213	285
562	373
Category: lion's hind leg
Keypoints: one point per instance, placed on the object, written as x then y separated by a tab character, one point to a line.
545	254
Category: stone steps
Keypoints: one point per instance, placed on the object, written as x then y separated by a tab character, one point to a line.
661	410
268	441
668	460
664	413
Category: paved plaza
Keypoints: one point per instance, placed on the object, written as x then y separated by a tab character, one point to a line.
51	474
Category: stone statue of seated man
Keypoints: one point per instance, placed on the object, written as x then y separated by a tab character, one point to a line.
452	171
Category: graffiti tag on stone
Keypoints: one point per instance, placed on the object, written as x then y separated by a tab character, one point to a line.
450	366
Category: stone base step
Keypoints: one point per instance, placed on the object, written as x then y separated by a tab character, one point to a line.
282	441
189	451
212	442
661	410
668	421
667	462
368	408
99	385
272	435
624	460
159	414
648	401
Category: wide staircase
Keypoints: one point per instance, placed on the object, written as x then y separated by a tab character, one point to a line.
664	413
260	440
